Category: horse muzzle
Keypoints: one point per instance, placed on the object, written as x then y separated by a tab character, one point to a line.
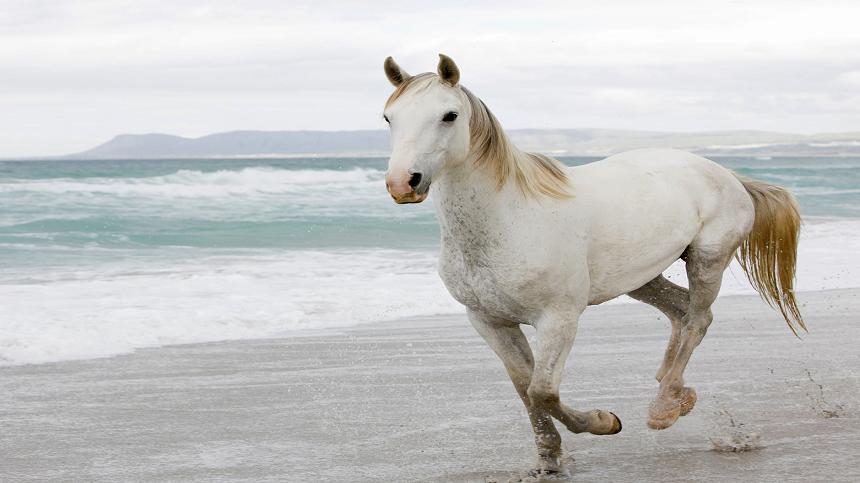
411	189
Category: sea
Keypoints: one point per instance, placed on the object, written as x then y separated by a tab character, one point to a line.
102	257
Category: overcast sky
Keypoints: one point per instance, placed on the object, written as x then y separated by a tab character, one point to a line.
73	74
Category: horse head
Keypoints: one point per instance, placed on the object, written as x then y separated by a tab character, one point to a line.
429	119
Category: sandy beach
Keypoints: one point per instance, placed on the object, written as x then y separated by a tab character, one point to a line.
426	400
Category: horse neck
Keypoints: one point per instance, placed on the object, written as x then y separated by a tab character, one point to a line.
468	200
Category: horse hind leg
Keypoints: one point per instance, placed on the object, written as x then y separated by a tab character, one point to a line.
705	269
672	300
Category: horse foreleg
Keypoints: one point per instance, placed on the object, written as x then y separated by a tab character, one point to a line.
555	339
705	274
508	341
672	300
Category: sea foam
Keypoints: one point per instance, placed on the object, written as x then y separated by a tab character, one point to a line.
114	308
108	311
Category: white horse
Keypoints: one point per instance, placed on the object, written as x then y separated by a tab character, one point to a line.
527	240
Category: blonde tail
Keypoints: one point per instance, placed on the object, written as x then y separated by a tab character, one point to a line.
769	254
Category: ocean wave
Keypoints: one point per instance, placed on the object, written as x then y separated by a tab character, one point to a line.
195	184
822	191
186	197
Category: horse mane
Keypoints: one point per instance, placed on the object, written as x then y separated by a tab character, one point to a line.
534	174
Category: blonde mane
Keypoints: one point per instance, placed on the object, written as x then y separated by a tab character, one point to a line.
534	174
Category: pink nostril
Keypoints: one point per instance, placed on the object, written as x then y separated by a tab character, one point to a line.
402	184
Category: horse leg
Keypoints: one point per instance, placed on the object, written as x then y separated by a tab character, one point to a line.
508	341
555	338
672	300
705	273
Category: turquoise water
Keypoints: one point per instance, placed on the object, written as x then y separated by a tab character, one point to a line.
824	186
101	257
283	203
203	203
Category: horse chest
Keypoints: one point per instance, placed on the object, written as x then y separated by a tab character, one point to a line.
479	285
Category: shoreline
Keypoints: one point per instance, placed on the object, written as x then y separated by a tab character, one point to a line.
620	301
425	399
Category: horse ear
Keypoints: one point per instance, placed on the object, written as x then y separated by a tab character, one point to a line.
395	74
448	70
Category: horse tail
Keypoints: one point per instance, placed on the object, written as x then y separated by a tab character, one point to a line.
768	256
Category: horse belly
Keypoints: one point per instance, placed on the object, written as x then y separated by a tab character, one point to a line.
616	275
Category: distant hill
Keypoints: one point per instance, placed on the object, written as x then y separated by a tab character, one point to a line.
242	143
555	142
604	142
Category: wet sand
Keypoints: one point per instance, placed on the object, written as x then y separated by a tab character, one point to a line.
426	400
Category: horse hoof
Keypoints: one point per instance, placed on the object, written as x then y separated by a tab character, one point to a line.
539	474
661	415
616	426
687	399
609	424
546	465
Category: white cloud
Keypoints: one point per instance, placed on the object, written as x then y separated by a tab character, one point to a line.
75	73
849	78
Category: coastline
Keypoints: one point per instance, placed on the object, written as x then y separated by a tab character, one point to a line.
425	399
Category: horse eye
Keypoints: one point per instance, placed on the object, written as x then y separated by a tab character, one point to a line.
450	117
386	119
